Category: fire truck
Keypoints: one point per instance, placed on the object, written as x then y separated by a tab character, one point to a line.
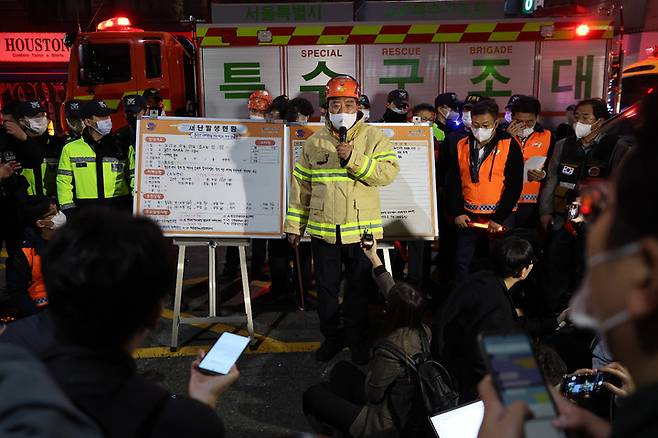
212	70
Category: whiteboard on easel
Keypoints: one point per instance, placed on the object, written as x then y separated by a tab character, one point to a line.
408	205
211	177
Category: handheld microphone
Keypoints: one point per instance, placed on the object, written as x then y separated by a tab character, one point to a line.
342	137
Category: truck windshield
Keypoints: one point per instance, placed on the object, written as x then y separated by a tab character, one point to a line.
633	88
105	64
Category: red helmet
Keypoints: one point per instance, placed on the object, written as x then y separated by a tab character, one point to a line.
342	86
259	100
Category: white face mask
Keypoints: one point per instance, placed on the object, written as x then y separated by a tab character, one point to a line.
301	118
483	134
256	117
579	314
398	110
527	132
59	220
38	125
508	116
449	114
366	114
582	129
466	118
342	119
103	127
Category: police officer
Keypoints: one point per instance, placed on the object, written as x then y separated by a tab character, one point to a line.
134	108
154	101
484	183
587	156
535	142
446	105
39	150
364	107
397	107
93	170
74	122
334	196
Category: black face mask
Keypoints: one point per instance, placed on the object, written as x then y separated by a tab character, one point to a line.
391	116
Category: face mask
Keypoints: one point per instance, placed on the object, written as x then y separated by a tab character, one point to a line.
582	130
302	118
449	114
508	116
527	132
483	134
76	125
38	125
323	119
579	314
103	127
366	114
342	119
466	118
58	220
399	110
256	117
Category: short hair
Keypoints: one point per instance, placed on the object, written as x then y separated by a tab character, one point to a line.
35	208
485	106
550	363
297	106
106	273
599	107
526	104
280	104
405	306
511	255
423	107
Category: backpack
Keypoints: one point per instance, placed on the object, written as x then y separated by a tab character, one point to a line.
433	386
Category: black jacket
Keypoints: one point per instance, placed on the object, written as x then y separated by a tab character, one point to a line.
19	274
513	184
637	416
106	387
481	303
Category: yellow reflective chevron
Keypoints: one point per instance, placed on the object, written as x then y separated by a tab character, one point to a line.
320	175
321	229
385	155
366	169
297	215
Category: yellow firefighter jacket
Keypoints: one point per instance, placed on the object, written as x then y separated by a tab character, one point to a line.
323	194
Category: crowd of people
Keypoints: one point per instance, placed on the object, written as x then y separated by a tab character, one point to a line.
548	232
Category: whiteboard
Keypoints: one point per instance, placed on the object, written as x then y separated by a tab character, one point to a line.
408	204
210	177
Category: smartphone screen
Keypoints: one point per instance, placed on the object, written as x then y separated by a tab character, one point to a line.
224	353
517	376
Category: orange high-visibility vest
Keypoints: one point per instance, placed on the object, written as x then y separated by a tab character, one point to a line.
483	197
37	288
536	145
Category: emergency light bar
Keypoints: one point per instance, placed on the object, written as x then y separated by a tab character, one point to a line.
582	30
116	24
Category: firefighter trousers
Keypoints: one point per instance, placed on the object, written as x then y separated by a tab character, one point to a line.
328	260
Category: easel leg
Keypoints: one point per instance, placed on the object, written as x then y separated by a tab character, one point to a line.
247	293
178	294
387	259
212	281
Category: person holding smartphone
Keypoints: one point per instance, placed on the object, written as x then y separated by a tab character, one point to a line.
618	299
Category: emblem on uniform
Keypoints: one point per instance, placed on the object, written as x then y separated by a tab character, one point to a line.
300	133
75	105
568	170
130	101
102	104
594	171
150	126
35	104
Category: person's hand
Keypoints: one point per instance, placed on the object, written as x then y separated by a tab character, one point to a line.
8	169
501	421
494	227
515	129
207	388
573	418
293	239
15	130
344	150
546	221
536	175
372	254
627	383
462	221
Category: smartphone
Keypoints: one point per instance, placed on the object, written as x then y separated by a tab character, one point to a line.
461	422
516	375
224	354
367	240
577	386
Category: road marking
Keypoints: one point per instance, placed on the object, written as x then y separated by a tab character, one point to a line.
266	344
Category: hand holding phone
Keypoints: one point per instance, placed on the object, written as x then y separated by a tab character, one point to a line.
223	355
207	388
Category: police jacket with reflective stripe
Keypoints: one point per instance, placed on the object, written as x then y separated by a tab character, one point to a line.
324	194
77	176
538	144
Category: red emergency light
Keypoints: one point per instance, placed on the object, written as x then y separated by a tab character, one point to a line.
582	30
115	24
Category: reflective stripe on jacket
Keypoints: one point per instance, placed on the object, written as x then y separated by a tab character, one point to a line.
324	194
76	175
37	288
483	196
537	145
